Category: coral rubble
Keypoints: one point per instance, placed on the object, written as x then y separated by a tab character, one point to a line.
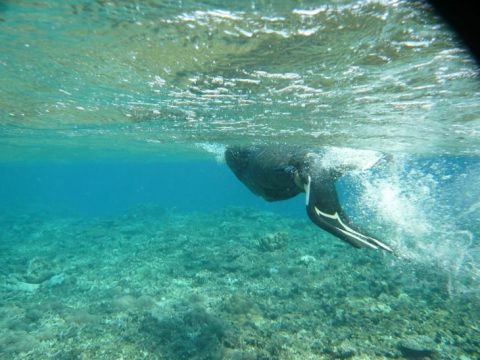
234	284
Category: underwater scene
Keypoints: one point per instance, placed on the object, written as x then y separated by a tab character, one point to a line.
248	180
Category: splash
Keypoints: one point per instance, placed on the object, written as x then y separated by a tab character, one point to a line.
354	159
217	150
412	203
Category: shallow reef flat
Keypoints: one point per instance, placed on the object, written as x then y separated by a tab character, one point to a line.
236	284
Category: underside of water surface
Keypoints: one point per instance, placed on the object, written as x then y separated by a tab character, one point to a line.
149	78
123	233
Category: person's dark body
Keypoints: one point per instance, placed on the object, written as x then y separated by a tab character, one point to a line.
282	172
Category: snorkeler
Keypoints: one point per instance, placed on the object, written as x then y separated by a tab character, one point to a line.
282	172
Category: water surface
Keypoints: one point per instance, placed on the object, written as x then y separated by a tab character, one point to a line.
141	78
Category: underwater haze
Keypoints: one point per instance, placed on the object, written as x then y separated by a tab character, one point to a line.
124	234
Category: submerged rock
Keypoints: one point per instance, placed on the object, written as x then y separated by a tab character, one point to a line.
55	280
39	270
190	334
417	347
345	350
22	286
272	242
307	260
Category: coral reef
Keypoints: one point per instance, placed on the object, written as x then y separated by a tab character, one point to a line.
226	285
273	241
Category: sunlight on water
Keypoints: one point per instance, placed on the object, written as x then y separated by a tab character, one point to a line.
150	76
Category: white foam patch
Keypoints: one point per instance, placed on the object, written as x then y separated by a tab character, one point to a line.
396	207
338	157
218	150
419	225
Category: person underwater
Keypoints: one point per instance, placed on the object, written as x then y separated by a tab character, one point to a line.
282	172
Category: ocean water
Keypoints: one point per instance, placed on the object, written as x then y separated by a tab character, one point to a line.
124	235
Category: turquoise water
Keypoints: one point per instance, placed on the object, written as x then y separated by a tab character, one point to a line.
125	235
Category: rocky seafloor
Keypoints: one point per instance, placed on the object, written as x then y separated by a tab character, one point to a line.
235	284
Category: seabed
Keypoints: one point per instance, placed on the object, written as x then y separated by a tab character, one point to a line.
234	284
